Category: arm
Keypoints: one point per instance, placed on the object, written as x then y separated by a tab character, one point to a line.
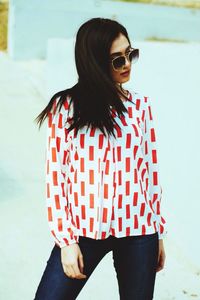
150	157
59	217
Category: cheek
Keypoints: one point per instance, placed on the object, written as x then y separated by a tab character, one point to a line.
115	75
112	72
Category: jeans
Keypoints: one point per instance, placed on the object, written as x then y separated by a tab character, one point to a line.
134	259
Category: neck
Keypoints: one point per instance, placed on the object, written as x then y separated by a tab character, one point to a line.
119	86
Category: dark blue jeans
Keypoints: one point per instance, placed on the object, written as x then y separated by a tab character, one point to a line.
134	258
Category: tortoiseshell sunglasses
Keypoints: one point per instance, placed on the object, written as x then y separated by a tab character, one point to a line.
118	62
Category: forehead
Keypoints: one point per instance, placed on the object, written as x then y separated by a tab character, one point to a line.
119	44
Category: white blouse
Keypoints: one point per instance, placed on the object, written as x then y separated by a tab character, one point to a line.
98	186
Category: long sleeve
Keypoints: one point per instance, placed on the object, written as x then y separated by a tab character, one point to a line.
150	156
59	217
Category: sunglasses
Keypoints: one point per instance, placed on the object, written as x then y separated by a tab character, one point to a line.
119	62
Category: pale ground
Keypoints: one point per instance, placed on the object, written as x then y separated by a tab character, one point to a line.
25	242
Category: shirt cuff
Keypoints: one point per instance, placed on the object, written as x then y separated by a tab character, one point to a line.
162	236
67	242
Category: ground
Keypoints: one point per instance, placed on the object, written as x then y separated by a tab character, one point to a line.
25	241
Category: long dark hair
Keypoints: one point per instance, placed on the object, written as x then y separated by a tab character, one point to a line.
95	93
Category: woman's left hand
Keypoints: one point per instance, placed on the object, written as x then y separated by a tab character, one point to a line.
161	256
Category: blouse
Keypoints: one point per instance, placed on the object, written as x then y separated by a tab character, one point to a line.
98	186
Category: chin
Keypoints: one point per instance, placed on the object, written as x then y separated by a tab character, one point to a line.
124	80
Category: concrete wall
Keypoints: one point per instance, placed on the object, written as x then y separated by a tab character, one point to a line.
60	67
32	23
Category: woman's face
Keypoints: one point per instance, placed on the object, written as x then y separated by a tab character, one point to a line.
120	46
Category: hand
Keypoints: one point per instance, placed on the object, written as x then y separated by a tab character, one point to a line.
72	259
161	256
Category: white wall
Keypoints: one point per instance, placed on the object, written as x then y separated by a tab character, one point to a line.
60	68
32	23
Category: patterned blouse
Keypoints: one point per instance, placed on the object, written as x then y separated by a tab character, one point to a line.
98	186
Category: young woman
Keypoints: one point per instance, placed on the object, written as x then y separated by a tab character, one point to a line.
103	191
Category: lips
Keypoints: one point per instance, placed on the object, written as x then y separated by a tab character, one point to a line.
125	73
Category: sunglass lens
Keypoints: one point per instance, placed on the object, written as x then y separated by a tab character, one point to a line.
118	62
134	55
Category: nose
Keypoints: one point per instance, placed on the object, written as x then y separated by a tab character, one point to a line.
127	63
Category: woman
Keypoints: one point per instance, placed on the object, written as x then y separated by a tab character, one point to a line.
102	186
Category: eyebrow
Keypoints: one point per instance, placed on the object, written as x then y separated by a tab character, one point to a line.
118	53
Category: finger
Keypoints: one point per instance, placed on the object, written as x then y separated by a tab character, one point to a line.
158	269
159	253
158	261
81	263
66	271
162	260
81	276
71	271
160	265
77	272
